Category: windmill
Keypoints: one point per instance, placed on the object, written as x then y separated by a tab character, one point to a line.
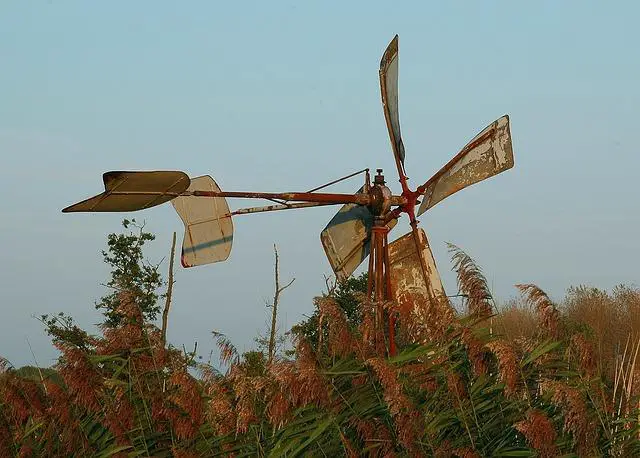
359	229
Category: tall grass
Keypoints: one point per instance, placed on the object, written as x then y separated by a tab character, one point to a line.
530	378
603	320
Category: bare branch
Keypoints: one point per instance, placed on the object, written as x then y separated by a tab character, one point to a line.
331	285
167	304
287	285
274	314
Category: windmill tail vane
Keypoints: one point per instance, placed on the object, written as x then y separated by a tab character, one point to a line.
358	230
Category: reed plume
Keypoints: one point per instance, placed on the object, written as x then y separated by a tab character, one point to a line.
540	433
471	283
547	312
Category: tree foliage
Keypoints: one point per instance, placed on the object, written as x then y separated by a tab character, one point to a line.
348	295
479	389
130	271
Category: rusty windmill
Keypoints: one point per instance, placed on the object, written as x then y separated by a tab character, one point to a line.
358	230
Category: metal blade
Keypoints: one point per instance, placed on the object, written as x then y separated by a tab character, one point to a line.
488	154
208	228
389	90
132	191
416	283
346	239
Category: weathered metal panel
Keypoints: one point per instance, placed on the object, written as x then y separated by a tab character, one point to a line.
208	228
488	154
389	90
346	238
417	287
132	191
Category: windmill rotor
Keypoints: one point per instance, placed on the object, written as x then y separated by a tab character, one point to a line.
357	231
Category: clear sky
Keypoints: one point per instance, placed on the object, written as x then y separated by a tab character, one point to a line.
284	96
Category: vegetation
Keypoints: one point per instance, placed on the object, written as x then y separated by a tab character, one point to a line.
530	378
130	272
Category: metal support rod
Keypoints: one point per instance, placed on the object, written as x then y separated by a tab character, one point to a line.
273	208
278	201
327	198
379	289
339	180
379	271
389	296
370	274
361	199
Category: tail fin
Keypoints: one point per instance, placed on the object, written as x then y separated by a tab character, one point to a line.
208	229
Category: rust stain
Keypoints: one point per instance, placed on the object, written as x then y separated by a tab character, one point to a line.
424	309
487	154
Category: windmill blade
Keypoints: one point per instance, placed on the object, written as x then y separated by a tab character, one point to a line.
488	154
132	191
346	238
208	229
389	91
416	283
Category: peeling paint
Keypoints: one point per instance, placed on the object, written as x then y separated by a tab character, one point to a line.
422	304
488	154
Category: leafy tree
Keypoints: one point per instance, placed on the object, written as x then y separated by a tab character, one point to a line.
63	328
130	271
348	294
471	392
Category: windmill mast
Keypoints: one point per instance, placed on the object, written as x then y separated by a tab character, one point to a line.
359	229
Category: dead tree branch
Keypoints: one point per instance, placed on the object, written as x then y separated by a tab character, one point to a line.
167	304
274	312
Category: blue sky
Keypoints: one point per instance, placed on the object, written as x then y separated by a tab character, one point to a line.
283	96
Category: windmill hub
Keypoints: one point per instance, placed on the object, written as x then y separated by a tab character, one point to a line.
381	196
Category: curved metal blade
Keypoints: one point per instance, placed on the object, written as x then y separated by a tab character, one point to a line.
488	154
416	283
208	228
389	91
346	238
132	191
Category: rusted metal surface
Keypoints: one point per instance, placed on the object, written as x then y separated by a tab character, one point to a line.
389	297
389	91
379	288
361	199
488	154
417	288
381	296
273	208
346	238
132	191
326	198
208	228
